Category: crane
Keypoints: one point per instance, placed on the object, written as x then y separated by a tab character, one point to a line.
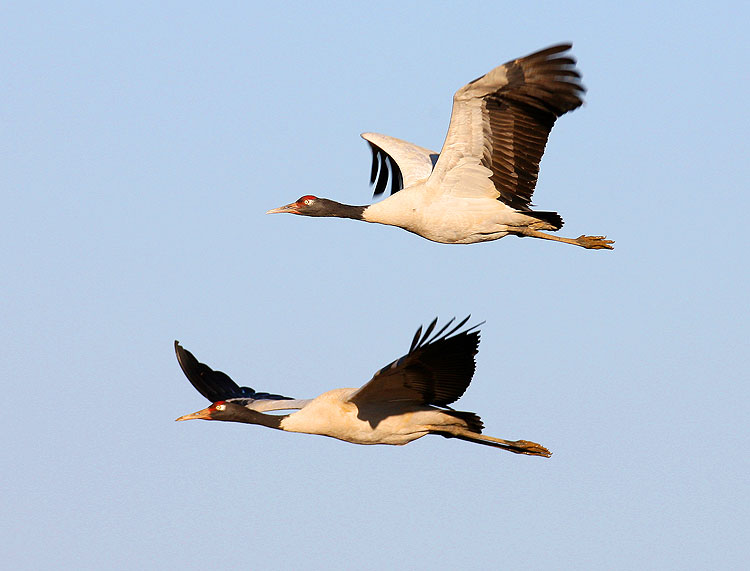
479	187
403	401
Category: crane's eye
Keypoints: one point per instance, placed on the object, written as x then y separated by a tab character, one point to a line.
221	407
308	201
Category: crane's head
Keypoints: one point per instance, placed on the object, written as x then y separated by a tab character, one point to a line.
310	205
234	412
307	205
220	410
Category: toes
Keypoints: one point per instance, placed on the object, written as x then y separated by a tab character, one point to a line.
595	242
532	448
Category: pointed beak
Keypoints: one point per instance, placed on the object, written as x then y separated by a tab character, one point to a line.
290	208
204	414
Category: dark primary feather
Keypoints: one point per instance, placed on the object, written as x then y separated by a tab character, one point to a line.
383	165
541	87
436	370
215	385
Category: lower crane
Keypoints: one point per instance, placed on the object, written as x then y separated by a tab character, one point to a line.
405	400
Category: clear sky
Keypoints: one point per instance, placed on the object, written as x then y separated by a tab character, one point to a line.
141	147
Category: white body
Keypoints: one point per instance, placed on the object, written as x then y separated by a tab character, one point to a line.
449	219
331	414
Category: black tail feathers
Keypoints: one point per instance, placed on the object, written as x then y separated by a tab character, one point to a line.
551	218
473	422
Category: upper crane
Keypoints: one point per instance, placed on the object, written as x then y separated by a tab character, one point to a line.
479	187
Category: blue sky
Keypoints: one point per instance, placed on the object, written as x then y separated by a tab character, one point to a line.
141	147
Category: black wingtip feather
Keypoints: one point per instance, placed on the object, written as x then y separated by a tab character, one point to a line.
416	338
382	180
422	339
397	179
429	329
459	326
443	328
374	168
552	50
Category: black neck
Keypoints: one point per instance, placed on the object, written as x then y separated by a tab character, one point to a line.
326	207
238	413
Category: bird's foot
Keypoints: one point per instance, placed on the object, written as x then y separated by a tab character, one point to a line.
595	242
526	447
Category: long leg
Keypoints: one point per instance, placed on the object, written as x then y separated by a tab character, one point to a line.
590	242
515	446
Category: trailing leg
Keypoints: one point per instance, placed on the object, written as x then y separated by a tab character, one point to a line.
515	446
589	242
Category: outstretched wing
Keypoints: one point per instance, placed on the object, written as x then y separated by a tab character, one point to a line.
436	371
218	386
406	163
500	125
